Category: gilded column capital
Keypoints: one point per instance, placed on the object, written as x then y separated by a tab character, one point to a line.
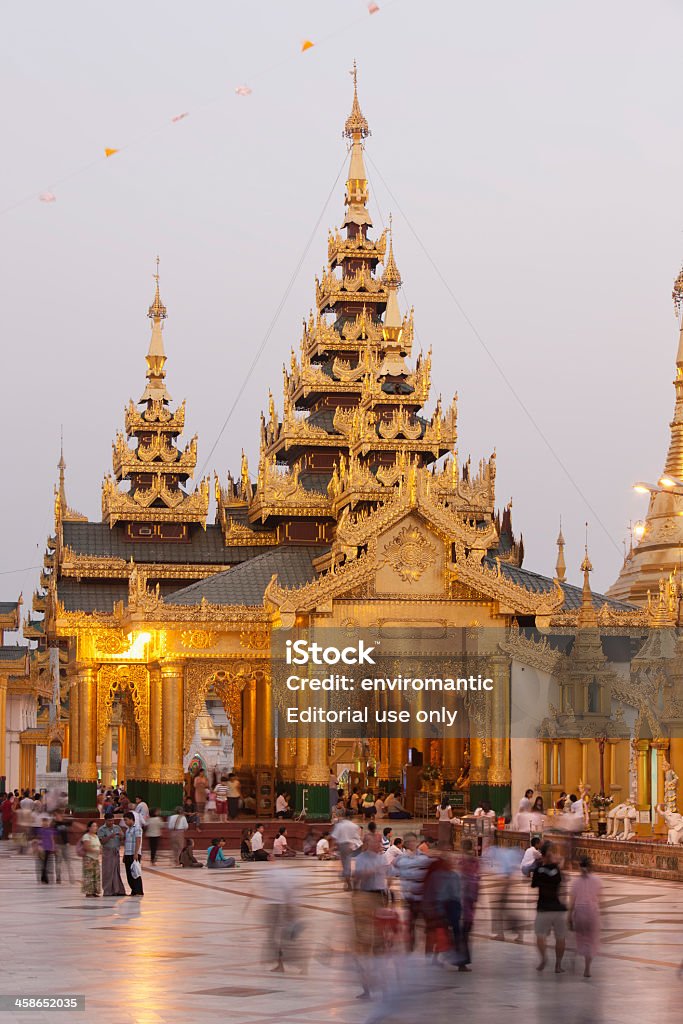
171	669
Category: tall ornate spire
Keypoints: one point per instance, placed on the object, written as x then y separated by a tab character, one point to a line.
156	356
674	458
357	192
561	565
61	466
659	548
156	468
587	616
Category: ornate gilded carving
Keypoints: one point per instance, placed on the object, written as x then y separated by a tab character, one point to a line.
228	680
254	639
198	639
410	554
109	641
113	679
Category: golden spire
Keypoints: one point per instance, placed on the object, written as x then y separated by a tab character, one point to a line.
587	616
674	458
61	466
156	356
392	327
561	565
356	125
357	193
391	277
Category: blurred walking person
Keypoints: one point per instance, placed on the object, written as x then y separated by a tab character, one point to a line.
132	847
90	845
46	839
155	825
62	828
177	826
584	913
551	913
468	869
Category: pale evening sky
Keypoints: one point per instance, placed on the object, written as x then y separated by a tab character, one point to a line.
533	146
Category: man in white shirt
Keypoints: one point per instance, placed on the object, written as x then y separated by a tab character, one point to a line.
346	835
257	843
282	808
177	824
322	848
392	854
141	811
531	857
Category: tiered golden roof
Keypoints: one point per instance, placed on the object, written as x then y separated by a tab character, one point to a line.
155	468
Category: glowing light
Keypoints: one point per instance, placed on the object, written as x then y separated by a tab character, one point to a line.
641	488
638	530
137	645
667	481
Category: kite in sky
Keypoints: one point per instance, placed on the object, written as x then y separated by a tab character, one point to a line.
243	90
47	197
110	152
306	45
373	8
179	117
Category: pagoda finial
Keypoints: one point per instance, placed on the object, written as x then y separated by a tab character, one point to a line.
157	311
357	193
356	126
156	356
391	277
587	616
61	466
560	565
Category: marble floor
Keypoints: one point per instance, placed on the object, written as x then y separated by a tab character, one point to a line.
194	949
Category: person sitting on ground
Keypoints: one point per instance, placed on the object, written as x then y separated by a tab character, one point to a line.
339	809
387	840
368	805
322	847
282	808
394	807
246	852
380	809
191	813
310	842
215	857
393	853
259	853
354	801
187	857
280	847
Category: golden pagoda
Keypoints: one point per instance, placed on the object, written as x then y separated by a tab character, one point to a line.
361	514
659	548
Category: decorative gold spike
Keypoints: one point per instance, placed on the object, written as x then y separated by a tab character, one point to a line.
157	311
356	126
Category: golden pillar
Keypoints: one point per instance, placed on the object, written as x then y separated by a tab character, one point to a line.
172	721
398	745
27	767
499	773
477	761
87	723
249	724
107	763
286	756
73	767
122	756
155	713
3	729
264	748
662	748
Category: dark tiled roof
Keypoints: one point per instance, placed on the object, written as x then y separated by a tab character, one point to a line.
12	653
323	418
7	607
538	584
246	583
205	547
101	595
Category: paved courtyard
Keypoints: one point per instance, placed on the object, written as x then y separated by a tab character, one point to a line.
193	949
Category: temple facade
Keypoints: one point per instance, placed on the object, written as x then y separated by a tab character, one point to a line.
360	516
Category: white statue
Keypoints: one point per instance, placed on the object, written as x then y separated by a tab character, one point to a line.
670	787
625	813
674	823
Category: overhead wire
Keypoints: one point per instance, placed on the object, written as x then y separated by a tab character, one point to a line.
274	320
477	334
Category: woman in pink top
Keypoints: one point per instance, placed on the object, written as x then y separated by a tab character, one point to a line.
584	913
